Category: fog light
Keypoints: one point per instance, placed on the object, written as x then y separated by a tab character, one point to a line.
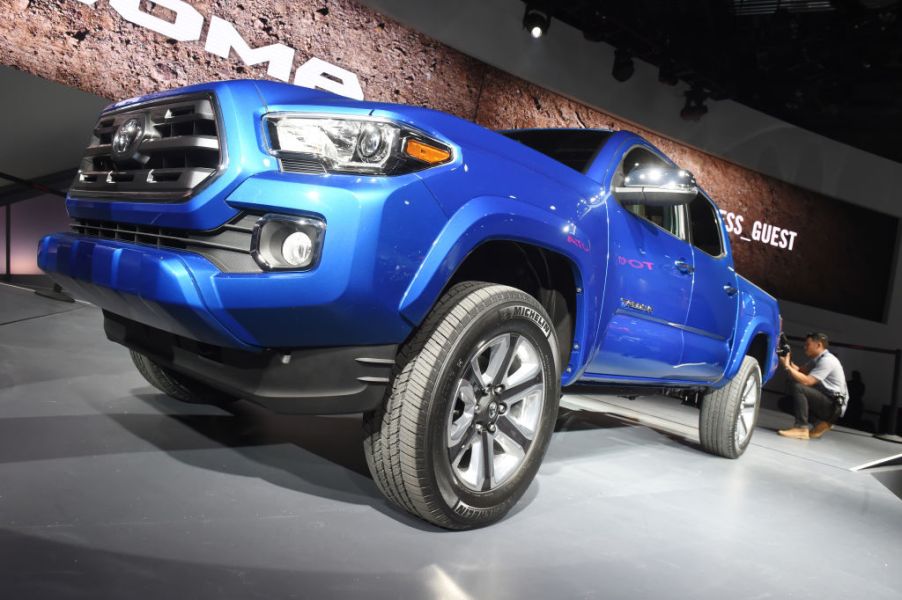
297	249
282	242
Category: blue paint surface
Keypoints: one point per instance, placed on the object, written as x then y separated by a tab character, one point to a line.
392	244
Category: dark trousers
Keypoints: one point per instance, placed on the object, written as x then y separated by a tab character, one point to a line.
811	401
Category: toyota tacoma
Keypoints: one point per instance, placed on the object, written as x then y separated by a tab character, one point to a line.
321	255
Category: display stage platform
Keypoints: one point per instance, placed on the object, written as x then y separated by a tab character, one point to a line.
109	489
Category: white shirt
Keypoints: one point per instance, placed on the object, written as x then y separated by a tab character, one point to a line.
831	379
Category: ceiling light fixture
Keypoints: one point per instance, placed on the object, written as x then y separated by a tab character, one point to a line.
695	108
667	72
536	21
623	65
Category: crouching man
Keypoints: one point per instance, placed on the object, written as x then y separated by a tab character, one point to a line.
818	389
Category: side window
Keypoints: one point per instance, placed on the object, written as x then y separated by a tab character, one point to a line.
704	226
667	218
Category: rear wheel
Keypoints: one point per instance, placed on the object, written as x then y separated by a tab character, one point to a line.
177	385
471	408
728	415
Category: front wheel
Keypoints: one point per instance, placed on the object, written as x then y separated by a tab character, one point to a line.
728	415
471	408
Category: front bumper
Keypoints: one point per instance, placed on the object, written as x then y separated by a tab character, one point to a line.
369	256
185	294
286	341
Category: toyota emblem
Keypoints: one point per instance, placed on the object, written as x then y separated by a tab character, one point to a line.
126	137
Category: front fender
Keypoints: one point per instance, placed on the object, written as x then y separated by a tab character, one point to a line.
490	218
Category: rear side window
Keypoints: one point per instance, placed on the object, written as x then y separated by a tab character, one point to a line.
576	148
704	226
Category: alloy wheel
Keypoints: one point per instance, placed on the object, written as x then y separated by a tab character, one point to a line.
495	412
748	404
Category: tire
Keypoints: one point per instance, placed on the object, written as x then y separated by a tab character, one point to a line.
177	385
452	444
728	415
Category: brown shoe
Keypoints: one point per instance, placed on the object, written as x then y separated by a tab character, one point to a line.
799	433
820	429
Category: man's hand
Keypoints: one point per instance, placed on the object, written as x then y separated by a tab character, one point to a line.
795	373
786	361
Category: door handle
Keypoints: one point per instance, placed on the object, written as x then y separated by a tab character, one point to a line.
683	267
730	290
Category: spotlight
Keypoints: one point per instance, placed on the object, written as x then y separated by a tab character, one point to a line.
695	108
623	65
536	21
667	72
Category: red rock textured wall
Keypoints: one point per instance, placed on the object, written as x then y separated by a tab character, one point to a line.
841	255
94	49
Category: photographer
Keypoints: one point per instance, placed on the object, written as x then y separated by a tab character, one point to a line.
817	389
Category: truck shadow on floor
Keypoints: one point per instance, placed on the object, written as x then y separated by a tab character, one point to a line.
323	455
316	455
295	452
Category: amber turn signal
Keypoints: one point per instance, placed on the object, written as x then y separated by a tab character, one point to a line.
426	153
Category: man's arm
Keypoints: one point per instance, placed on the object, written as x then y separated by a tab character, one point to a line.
796	373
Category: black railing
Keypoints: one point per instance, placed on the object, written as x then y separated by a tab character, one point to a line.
8	208
8	241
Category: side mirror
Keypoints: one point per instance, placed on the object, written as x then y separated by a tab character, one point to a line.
657	186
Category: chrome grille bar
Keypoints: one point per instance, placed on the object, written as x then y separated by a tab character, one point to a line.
177	150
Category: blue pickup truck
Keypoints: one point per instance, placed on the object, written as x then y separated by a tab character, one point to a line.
316	254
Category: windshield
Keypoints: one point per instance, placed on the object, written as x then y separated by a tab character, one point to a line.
576	148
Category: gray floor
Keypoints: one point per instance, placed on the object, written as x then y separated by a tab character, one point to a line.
109	489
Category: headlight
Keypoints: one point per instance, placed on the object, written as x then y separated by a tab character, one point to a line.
285	243
338	144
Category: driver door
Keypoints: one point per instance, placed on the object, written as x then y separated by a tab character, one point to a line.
648	289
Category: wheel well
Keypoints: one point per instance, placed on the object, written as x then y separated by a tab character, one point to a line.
758	351
543	274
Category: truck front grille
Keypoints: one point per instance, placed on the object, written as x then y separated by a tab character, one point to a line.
175	147
228	247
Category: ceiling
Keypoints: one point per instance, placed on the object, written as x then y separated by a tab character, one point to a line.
833	67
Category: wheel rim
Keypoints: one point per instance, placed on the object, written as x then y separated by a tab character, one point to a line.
748	405
495	412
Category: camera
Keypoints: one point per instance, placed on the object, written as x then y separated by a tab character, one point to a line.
783	346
